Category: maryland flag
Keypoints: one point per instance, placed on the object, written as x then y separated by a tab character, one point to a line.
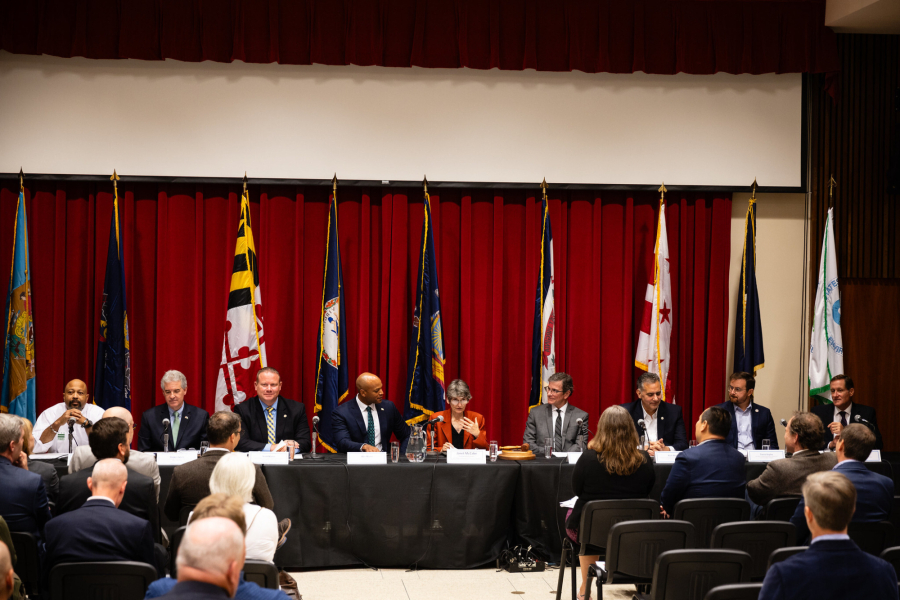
543	345
244	349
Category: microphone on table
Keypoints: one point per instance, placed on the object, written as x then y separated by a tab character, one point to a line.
315	436
582	431
71	432
643	426
165	423
783	423
859	419
438	419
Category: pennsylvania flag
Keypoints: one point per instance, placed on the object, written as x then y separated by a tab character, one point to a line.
112	382
748	338
426	348
543	344
332	380
18	394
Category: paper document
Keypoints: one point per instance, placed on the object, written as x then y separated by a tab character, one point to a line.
570	503
48	456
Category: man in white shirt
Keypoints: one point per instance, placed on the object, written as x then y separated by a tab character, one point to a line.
557	420
51	432
843	411
663	422
751	423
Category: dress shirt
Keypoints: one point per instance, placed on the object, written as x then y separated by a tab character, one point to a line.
60	441
846	460
837	414
650	423
265	407
365	416
101	498
744	420
830	536
561	425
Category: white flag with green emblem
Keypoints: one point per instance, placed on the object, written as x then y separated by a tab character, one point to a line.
826	348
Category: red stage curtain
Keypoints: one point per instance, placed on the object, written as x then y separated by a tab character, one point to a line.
653	36
179	240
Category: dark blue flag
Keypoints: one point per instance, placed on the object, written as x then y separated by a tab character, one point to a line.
112	383
332	381
426	345
543	343
748	337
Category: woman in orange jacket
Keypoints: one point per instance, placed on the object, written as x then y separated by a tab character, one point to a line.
461	428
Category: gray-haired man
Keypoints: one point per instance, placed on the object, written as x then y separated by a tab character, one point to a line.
663	423
187	423
557	419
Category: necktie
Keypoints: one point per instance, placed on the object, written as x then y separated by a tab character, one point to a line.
270	423
557	433
843	418
176	421
371	440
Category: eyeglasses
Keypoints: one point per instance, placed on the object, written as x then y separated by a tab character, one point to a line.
734	389
550	390
458	401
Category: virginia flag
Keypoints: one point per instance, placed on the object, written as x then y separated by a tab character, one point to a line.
332	379
17	396
826	347
426	347
656	326
112	382
748	338
543	343
244	348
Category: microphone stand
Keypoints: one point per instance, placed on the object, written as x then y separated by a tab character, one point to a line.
166	439
71	434
434	451
315	438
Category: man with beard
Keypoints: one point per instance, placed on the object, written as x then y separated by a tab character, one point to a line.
51	432
751	423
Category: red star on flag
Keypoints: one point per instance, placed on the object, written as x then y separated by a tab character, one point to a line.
664	314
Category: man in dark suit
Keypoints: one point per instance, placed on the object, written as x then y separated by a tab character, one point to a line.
270	423
751	423
844	411
23	501
663	423
557	420
365	424
98	532
833	566
712	469
874	492
210	560
187	423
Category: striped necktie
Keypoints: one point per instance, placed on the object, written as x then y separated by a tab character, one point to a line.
557	434
371	440
270	423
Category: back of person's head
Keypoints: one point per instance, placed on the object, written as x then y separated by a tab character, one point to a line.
858	441
831	498
616	442
10	430
222	425
107	478
808	428
106	435
221	505
718	420
211	545
6	573
234	475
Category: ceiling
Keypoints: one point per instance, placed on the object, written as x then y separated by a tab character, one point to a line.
863	16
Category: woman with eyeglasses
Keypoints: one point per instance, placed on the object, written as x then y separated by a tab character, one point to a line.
461	429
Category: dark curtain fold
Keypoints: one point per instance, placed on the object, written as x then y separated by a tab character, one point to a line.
179	239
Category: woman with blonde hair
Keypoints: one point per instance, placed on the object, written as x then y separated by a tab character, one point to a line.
612	468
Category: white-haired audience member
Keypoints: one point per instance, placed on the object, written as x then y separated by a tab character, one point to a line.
210	561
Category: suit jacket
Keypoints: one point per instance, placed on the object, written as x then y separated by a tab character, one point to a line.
786	476
830	569
351	432
290	424
196	590
711	470
443	432
145	464
190	484
191	432
762	425
23	502
49	475
874	497
825	412
247	590
669	425
539	427
98	532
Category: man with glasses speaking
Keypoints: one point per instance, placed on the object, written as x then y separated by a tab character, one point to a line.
557	420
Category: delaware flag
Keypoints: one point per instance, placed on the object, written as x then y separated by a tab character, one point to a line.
426	348
748	337
17	396
244	348
112	382
332	380
543	341
826	347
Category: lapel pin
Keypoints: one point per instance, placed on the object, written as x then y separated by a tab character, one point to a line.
662	418
757	410
185	418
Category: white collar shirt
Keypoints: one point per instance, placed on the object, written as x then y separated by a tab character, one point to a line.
837	414
561	414
650	423
60	441
99	498
744	421
365	416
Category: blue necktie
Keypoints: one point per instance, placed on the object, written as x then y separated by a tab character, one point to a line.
371	441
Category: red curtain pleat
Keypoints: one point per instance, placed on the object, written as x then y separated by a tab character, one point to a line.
179	241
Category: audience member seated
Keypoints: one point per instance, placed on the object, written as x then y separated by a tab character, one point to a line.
17	592
7	575
461	428
557	419
366	423
46	471
145	464
663	422
190	481
187	423
271	422
842	412
712	469
210	560
751	423
874	492
785	477
98	531
833	567
611	468
51	431
23	502
230	507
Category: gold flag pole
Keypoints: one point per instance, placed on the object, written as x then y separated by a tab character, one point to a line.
245	182
334	183
544	187
21	180
753	191
831	185
29	358
662	190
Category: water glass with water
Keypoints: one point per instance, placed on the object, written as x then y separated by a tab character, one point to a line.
548	447
495	448
204	446
766	444
395	452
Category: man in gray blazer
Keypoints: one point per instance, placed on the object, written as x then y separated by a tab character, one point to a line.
556	420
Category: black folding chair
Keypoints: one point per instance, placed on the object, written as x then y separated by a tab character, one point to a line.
597	517
184	514
895	513
122	580
892	555
783	554
262	573
735	591
28	565
690	574
872	537
757	538
173	551
782	509
707	513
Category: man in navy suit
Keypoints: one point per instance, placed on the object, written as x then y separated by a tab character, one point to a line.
187	423
663	423
270	422
833	566
210	560
98	531
712	469
23	501
751	423
844	411
874	492
365	423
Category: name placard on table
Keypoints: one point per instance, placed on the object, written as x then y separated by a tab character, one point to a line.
665	457
875	456
764	456
466	457
175	458
367	458
270	458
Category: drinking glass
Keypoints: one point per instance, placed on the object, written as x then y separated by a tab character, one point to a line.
693	443
643	445
495	447
395	451
766	444
204	446
548	447
291	450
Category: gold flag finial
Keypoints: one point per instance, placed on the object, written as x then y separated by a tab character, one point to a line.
21	180
753	189
334	184
114	178
544	187
831	184
662	190
245	182
425	183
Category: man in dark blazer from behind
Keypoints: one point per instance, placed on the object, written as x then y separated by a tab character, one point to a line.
187	423
542	419
843	411
269	422
751	423
350	427
23	501
210	560
663	422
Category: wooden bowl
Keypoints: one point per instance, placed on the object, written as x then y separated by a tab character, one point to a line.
517	455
